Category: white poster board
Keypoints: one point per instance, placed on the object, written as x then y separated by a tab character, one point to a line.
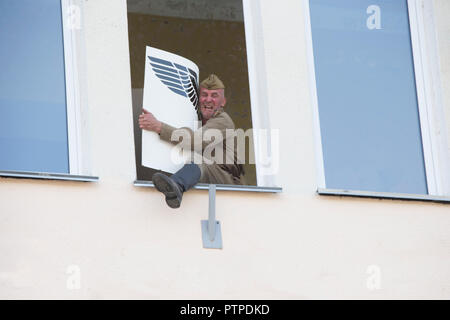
170	93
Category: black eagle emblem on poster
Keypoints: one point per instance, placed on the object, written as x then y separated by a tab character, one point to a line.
177	78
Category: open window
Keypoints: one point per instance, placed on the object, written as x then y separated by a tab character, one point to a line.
221	38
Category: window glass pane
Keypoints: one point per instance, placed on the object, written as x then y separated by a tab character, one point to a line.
33	122
367	99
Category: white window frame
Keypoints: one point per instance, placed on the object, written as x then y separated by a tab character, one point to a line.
72	87
74	58
429	97
266	155
76	102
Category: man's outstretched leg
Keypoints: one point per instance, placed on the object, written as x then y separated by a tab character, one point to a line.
174	186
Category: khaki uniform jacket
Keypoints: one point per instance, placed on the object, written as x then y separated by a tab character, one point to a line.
218	150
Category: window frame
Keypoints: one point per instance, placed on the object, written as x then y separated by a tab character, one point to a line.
265	164
254	41
72	89
74	72
431	110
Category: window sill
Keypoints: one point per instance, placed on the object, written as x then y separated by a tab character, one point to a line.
383	195
47	176
223	187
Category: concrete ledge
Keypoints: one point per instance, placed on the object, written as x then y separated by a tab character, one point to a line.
47	176
223	187
383	195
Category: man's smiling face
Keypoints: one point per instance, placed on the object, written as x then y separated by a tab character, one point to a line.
211	101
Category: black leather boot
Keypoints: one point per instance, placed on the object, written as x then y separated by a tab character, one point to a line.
174	186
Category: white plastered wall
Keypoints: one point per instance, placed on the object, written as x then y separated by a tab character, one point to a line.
128	244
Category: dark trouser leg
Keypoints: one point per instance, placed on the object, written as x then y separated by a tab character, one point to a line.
188	176
174	186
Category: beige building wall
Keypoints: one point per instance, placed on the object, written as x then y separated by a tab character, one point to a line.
126	243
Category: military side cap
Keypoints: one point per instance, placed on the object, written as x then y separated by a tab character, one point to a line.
212	83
